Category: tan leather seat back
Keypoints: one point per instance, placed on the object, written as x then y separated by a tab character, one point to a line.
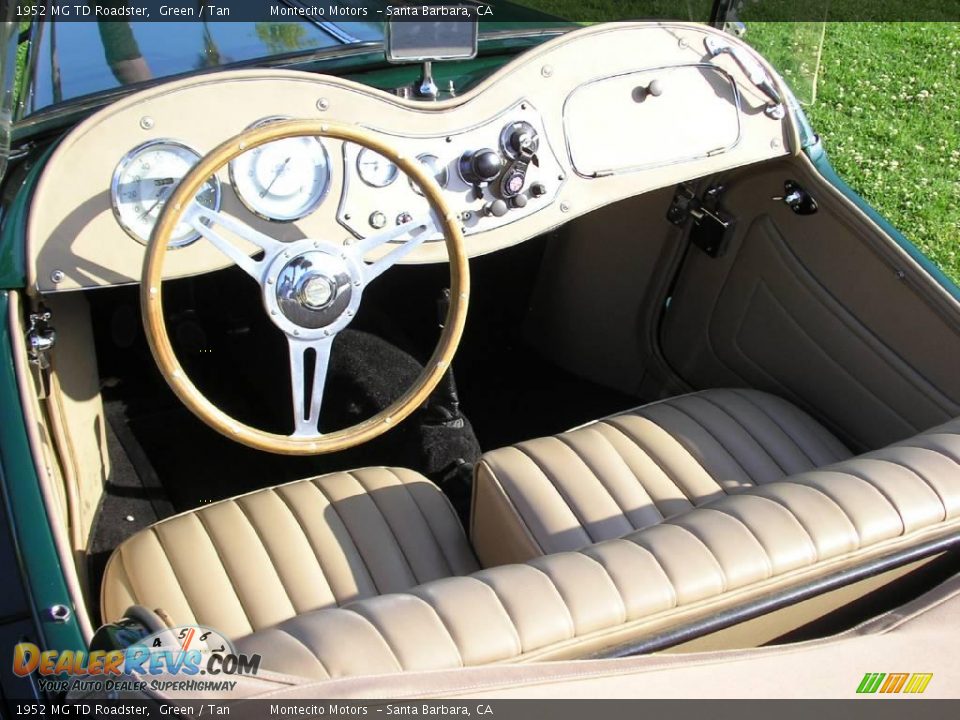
633	470
256	560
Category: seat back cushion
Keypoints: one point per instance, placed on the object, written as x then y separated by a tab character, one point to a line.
633	470
256	560
730	552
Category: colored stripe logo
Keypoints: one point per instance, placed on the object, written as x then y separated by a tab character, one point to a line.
912	683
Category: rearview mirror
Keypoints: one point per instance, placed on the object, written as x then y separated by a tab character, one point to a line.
409	41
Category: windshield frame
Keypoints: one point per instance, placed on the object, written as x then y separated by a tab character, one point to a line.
355	57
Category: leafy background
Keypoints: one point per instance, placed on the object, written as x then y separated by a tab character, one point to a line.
888	110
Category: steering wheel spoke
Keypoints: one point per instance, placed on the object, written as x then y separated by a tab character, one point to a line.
419	230
311	289
205	221
309	361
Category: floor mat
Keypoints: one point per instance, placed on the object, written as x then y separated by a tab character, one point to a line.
133	497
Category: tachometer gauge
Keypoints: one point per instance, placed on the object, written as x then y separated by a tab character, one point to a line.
433	165
146	178
283	180
375	169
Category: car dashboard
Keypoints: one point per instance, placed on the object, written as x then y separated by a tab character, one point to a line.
591	117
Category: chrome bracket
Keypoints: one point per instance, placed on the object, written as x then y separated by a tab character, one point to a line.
753	70
711	226
41	337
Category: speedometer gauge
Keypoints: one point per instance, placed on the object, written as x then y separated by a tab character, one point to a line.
283	180
146	178
375	169
431	164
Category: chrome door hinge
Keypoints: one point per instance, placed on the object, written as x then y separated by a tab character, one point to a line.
41	337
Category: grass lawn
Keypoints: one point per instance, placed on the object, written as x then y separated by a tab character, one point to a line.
888	109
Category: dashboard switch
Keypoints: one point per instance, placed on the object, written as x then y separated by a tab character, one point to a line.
519	201
497	208
538	189
480	166
519	140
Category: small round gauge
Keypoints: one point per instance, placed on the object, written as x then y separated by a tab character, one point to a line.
374	169
435	167
145	179
283	180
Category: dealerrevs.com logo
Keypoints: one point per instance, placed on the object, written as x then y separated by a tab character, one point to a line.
201	657
888	683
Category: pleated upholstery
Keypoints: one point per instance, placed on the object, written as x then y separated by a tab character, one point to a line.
733	547
256	560
636	469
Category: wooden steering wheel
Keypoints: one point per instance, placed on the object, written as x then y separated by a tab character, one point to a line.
311	290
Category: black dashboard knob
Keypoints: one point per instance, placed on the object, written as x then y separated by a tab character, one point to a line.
480	166
538	189
519	201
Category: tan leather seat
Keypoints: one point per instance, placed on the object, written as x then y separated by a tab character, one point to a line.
720	556
256	560
633	470
729	529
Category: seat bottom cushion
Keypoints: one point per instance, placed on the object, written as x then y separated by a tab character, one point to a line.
633	470
256	560
727	555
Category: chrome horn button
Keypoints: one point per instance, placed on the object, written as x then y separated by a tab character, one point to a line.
314	289
317	291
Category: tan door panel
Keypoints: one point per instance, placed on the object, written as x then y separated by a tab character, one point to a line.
822	309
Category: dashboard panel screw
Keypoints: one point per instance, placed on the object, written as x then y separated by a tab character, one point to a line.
323	104
146	122
564	207
682	43
546	70
57	276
